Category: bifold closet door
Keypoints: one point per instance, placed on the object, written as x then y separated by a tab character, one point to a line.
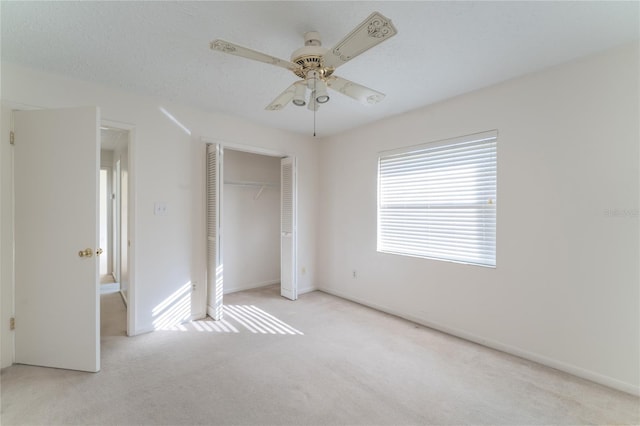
288	276
215	267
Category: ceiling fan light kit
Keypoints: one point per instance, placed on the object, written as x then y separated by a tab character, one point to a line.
315	64
299	94
320	94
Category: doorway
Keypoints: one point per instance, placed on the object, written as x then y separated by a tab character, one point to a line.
114	219
250	220
60	323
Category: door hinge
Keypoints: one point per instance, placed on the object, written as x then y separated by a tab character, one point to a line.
12	323
12	138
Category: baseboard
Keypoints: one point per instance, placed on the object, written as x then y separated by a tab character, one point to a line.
531	356
250	286
124	298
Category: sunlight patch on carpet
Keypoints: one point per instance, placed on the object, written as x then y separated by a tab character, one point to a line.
238	319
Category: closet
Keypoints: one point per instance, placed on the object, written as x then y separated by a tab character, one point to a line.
250	220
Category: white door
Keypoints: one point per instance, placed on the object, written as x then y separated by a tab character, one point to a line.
57	305
215	267
288	276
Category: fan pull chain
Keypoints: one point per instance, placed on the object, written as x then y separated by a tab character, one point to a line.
315	107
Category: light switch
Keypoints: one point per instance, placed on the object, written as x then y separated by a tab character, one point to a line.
160	209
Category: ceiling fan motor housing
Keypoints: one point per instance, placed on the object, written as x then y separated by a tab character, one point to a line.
312	38
309	57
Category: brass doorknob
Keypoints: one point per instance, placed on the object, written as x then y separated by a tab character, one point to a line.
85	253
98	252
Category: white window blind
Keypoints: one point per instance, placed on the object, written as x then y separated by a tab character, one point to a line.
439	200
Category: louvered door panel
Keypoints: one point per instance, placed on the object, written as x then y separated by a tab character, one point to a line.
214	255
288	285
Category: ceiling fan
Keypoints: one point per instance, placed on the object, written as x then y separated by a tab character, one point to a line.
315	64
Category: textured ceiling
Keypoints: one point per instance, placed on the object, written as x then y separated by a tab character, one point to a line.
442	49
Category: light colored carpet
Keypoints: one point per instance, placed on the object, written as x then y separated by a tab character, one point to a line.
318	361
109	288
107	279
113	317
108	284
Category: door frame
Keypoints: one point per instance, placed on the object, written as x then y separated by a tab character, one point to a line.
244	148
11	105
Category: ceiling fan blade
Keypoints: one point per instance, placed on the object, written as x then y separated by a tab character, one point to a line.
356	91
371	32
283	98
234	49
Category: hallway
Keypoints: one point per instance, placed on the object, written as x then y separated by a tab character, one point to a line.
113	315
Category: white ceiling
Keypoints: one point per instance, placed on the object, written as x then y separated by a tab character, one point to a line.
442	49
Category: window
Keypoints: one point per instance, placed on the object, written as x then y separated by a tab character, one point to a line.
438	200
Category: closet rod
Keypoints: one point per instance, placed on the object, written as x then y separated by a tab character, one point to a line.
253	184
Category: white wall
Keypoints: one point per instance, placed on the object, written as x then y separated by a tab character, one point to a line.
106	208
566	287
250	226
106	155
168	166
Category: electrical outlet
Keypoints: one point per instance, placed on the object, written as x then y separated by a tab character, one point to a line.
355	274
193	286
